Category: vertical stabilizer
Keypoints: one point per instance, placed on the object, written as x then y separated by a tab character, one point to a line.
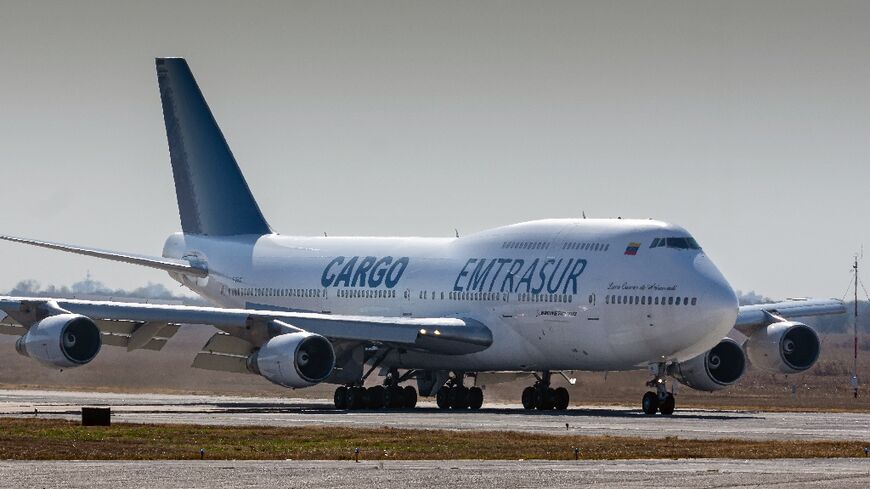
213	197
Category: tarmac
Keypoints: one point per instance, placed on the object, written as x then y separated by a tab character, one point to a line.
695	473
578	420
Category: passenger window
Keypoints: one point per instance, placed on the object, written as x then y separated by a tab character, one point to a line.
670	301
678	301
694	300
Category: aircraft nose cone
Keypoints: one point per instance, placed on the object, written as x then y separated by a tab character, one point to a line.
719	300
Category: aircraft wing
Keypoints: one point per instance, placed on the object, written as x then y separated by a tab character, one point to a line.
150	325
751	318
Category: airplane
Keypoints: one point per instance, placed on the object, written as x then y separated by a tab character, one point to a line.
543	297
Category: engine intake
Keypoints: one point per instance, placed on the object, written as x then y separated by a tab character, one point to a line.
61	341
294	360
716	369
786	347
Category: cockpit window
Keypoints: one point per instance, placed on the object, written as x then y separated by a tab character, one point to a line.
680	243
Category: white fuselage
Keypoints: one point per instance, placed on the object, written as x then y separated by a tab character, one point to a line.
560	294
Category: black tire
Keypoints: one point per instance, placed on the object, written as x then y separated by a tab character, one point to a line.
561	398
441	398
650	403
529	395
667	405
355	397
340	398
544	399
375	397
394	397
410	397
458	397
475	398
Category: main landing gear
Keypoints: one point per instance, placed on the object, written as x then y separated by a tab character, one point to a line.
388	396
454	395
543	397
661	400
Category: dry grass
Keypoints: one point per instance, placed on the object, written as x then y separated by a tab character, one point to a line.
34	439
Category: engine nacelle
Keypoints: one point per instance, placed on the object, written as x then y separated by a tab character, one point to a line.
62	341
713	370
786	347
294	359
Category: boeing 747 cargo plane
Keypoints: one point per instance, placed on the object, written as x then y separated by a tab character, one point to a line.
542	297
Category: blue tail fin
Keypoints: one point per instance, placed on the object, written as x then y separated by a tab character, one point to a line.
213	197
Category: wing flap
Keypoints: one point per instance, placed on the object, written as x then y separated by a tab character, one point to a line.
12	329
228	345
222	363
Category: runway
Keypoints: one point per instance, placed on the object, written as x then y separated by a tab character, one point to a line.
614	421
697	473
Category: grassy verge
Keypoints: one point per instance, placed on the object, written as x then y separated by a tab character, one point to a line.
35	439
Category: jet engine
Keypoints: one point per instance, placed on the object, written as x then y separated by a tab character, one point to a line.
61	341
713	370
295	360
785	347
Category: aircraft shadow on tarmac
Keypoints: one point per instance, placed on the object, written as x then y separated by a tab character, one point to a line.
314	409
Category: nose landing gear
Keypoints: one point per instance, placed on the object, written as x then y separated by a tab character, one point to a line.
661	400
543	397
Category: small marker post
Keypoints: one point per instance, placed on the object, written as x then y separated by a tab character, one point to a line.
576	453
202	453
356	455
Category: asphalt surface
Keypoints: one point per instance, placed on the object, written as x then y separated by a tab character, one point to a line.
792	473
617	421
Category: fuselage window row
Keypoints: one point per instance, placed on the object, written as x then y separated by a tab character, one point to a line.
644	300
525	245
365	294
272	292
584	246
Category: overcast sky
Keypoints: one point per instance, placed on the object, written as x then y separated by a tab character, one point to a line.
746	122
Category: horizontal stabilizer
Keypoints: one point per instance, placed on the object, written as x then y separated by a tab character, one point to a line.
165	264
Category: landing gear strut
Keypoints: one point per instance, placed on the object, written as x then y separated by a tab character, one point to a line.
543	397
390	395
454	395
661	400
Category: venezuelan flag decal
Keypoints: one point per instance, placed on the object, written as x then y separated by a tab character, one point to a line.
632	249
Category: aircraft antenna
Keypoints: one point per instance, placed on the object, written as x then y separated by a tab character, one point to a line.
855	331
456	231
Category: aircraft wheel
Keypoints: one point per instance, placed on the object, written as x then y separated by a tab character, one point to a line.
529	395
410	397
544	398
475	398
667	405
340	397
561	399
650	403
441	398
394	397
375	397
355	397
458	397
